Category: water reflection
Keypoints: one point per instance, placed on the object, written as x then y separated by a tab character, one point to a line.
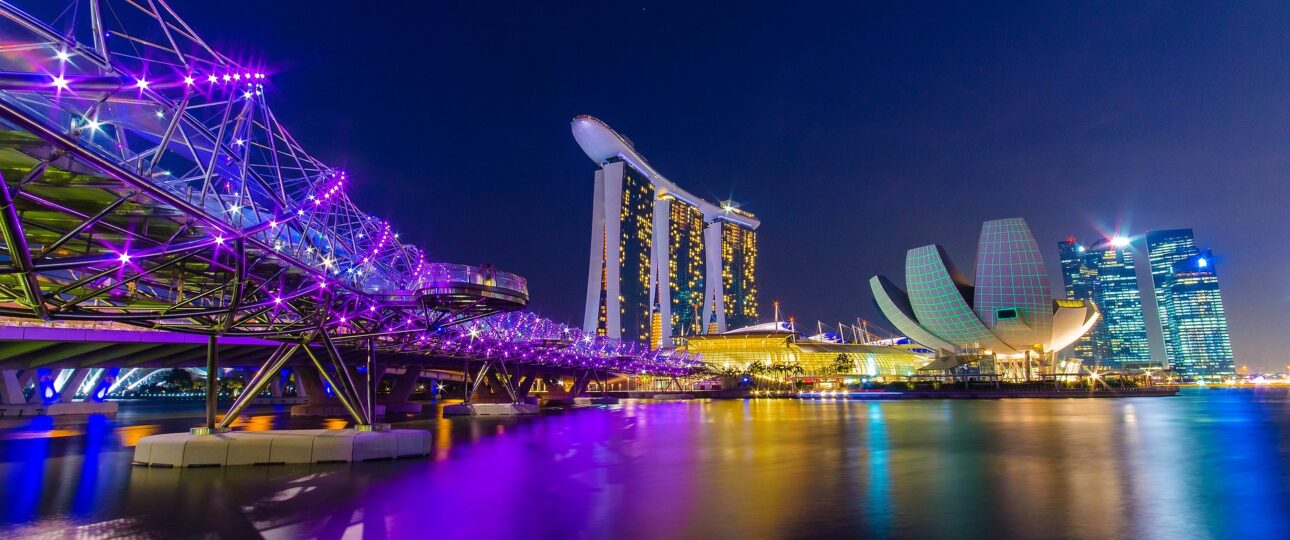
1205	464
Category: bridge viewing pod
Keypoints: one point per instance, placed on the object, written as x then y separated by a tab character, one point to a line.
468	290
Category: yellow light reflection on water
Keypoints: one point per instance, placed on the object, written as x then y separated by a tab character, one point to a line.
48	434
442	438
130	435
255	423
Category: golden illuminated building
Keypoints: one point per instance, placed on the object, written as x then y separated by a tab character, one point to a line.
686	266
659	251
738	270
782	347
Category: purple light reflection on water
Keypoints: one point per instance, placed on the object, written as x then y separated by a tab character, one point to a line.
1205	464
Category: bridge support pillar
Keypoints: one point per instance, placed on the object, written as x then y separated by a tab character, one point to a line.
580	384
556	393
212	381
68	393
405	385
33	376
62	403
11	388
311	384
401	392
375	372
275	386
106	374
348	400
525	384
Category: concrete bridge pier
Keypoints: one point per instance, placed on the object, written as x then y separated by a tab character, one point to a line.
275	386
401	394
318	403
494	392
11	385
575	394
63	401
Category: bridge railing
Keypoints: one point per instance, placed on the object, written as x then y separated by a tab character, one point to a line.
477	275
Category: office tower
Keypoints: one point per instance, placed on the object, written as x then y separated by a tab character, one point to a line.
1165	249
1197	322
1107	275
1078	279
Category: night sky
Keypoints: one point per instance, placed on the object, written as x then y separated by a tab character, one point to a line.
853	132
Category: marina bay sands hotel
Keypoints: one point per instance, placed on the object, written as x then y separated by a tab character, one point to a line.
663	263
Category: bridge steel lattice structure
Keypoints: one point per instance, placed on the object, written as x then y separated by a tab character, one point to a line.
147	182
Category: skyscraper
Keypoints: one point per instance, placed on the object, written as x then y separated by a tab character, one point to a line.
1197	322
1078	278
738	266
1193	320
1165	249
1106	274
655	248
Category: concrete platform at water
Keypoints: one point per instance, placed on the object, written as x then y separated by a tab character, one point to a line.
279	447
490	409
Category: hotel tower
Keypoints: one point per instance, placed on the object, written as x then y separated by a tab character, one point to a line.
659	253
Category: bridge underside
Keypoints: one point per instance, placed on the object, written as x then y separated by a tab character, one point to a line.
488	380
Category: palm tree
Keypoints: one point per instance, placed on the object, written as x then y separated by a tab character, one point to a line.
754	370
796	370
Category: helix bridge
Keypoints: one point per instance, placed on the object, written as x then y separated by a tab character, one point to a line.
147	182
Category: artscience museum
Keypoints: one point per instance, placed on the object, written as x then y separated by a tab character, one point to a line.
1003	324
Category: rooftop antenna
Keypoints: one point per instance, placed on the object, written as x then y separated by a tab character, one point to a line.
776	303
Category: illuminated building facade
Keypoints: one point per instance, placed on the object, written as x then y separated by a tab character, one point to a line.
1197	322
687	267
738	271
1106	274
655	248
1078	278
776	344
1165	249
1193	321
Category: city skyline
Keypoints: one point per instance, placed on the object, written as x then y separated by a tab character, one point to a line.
303	269
817	131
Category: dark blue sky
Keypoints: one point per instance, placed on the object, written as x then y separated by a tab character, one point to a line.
854	132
